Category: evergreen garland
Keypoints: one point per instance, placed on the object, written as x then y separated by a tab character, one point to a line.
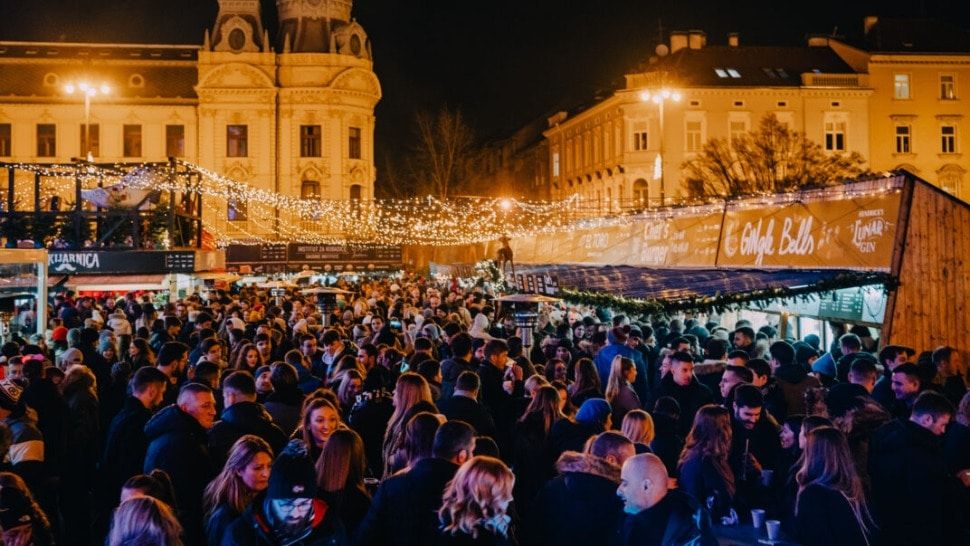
720	303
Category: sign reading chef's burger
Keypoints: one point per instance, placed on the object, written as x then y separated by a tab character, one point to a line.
853	233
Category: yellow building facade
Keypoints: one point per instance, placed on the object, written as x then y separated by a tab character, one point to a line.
295	118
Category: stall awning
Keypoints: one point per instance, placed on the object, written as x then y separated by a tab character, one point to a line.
112	283
692	289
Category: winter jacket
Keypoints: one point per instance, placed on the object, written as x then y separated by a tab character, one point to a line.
532	459
577	508
218	521
125	448
912	489
350	505
238	420
677	520
698	477
604	360
26	451
626	400
668	442
709	373
690	398
285	409
469	410
793	380
177	445
253	528
451	368
82	433
404	510
568	435
825	517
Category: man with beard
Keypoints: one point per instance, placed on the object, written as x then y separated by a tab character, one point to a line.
755	444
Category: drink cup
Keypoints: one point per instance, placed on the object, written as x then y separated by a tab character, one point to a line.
766	476
757	518
774	529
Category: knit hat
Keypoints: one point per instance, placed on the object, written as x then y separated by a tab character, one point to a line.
813	340
783	352
10	393
804	351
824	365
293	475
59	334
594	411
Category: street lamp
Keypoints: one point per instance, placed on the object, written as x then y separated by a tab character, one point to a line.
88	91
525	314
660	97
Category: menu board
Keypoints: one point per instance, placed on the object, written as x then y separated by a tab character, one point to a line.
849	233
328	257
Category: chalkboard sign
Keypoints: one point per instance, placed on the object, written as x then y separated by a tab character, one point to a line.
845	304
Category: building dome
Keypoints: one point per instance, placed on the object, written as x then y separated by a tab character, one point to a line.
310	26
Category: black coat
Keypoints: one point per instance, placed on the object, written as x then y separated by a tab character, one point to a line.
463	408
699	478
82	434
285	408
532	459
218	521
690	398
125	448
178	445
825	518
238	420
676	520
577	508
451	368
404	510
43	397
668	441
913	492
252	528
568	435
500	403
351	504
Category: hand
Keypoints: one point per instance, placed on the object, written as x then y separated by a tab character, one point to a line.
753	464
964	476
517	372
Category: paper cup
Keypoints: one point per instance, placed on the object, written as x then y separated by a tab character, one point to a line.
774	529
758	518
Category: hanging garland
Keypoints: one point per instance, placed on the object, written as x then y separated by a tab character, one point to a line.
488	271
720	303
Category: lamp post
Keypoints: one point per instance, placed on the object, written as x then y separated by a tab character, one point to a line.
660	97
525	313
88	91
326	300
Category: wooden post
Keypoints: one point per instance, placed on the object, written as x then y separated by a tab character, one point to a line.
33	234
198	212
77	207
171	203
11	182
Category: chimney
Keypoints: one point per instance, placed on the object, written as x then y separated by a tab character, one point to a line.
870	21
733	39
696	39
678	41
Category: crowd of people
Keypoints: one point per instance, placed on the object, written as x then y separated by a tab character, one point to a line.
415	415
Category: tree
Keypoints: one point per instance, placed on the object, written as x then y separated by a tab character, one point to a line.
770	159
444	154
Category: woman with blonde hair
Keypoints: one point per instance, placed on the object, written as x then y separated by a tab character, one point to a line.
475	504
703	469
638	428
351	385
340	478
831	506
410	391
245	475
619	389
144	520
31	525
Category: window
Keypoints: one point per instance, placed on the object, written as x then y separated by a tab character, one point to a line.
46	140
948	89
782	104
903	134
640	137
901	86
136	80
739	103
555	164
95	134
51	80
641	191
948	139
5	140
310	189
693	131
311	138
236	210
738	129
721	73
835	135
727	72
237	141
353	145
733	73
132	140
174	141
355	192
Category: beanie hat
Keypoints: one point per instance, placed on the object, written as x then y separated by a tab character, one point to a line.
844	397
293	475
813	340
804	351
824	365
783	352
594	411
59	334
10	393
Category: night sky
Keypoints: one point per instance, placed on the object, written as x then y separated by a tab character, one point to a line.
503	62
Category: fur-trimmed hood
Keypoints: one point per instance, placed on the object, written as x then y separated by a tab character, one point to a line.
710	367
584	463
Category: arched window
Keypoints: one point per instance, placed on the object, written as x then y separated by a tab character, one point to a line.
355	192
641	193
950	179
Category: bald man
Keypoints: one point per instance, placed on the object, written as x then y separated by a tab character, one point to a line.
657	515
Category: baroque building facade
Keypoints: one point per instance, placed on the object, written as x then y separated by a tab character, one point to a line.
295	116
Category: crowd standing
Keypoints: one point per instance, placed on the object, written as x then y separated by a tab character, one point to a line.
417	416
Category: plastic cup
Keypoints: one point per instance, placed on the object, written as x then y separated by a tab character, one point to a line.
757	518
774	529
766	476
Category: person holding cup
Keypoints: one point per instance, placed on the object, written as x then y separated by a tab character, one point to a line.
830	507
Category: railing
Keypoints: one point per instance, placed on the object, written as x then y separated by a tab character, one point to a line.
831	80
